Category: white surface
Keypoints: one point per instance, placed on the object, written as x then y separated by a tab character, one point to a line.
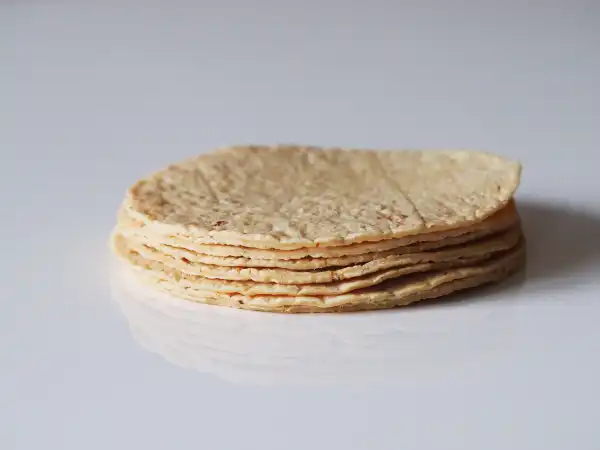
96	94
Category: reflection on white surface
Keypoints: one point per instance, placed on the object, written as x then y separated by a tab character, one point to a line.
263	348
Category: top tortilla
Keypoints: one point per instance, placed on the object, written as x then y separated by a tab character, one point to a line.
291	197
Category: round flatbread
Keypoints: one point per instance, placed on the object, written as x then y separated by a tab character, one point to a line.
251	288
292	197
397	292
479	249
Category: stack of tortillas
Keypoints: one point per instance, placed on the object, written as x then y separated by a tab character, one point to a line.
304	229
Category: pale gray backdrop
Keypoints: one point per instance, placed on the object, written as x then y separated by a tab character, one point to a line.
94	94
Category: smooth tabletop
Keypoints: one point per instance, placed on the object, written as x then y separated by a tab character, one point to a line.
94	95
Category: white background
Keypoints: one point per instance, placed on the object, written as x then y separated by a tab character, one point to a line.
94	95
